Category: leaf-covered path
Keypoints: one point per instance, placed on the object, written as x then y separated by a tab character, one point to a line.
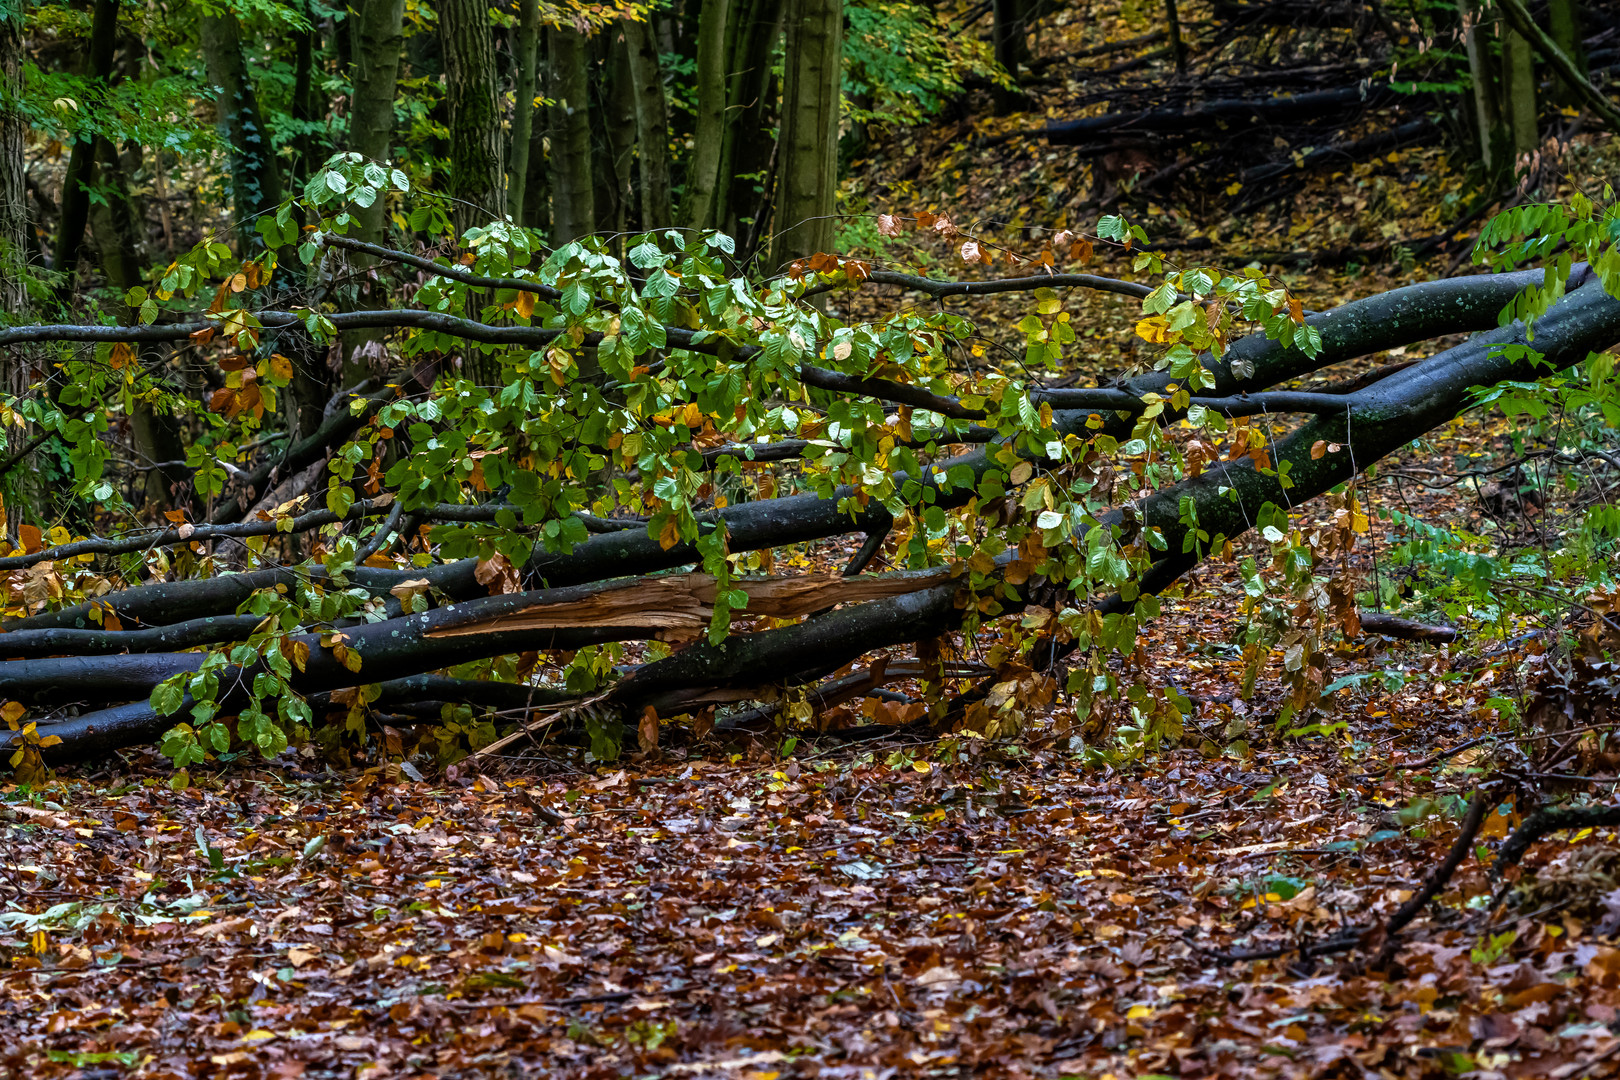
858	913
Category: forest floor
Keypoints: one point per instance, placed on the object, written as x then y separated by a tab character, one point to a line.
928	909
899	908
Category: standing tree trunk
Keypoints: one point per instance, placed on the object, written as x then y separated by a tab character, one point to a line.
255	180
1493	140
13	239
1178	47
1519	84
116	223
749	106
81	167
379	37
808	182
618	109
528	44
476	169
1007	39
305	110
1564	24
702	207
652	123
573	194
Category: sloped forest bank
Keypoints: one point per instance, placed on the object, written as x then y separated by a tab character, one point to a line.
1062	608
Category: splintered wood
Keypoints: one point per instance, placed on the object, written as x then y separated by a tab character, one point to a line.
680	605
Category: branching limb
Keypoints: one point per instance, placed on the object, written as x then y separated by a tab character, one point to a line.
455	273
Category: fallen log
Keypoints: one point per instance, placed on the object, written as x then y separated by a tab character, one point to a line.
1198	116
1393	626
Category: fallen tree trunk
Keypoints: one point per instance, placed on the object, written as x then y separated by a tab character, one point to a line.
1372	422
1200	115
1389	320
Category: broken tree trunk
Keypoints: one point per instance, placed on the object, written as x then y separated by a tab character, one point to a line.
879	612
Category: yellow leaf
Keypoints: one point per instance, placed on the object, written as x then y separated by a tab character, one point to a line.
1154	330
525	304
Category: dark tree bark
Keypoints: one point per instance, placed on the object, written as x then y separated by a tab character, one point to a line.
14	236
81	168
304	109
808	189
477	170
618	111
255	179
573	186
652	124
750	112
379	36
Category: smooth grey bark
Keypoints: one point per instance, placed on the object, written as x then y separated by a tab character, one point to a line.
526	47
808	184
701	207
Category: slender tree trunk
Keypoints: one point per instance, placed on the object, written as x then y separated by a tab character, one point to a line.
701	207
304	108
81	168
476	169
379	37
13	245
652	123
1519	82
749	109
1493	141
808	173
573	191
1178	48
1564	24
117	223
537	188
523	108
619	116
1006	36
255	180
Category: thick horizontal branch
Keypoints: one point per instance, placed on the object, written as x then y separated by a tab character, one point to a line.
455	273
191	534
1397	318
1201	114
1273	401
63	641
939	290
1384	417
